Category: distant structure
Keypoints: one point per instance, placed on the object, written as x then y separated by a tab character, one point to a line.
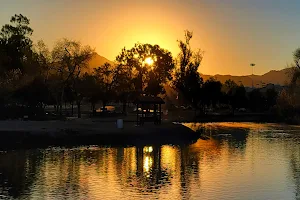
252	65
148	109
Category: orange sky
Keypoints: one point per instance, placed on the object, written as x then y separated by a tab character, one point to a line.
233	34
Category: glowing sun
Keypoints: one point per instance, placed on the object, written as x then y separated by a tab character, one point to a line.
149	61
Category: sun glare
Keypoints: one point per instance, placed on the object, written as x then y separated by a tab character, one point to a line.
149	61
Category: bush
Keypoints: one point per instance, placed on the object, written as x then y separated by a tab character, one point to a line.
287	107
12	111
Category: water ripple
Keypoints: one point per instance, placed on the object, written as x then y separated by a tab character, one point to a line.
236	161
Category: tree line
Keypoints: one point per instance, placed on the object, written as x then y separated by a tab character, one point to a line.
288	102
212	93
33	76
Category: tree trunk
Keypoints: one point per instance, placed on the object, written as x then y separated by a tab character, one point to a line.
65	106
94	109
78	109
61	101
56	104
57	107
124	107
72	104
103	105
60	109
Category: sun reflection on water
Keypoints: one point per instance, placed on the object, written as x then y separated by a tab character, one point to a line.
148	162
254	165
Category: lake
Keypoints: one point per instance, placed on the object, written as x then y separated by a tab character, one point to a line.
232	161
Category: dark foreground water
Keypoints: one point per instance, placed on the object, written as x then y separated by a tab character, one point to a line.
236	161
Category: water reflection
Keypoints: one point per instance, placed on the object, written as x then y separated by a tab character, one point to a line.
295	169
234	163
17	172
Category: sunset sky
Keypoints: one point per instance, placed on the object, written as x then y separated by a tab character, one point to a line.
233	33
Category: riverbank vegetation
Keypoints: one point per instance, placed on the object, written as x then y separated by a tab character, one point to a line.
34	76
288	103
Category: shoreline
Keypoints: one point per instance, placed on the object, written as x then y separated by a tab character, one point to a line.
35	134
30	134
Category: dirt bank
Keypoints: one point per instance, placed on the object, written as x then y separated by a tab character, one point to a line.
88	132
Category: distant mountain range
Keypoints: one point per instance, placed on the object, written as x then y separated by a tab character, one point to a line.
279	77
97	61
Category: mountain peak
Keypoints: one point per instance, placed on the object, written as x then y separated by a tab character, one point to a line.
97	61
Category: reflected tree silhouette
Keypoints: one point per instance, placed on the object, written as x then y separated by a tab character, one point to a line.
149	171
18	171
238	140
65	171
235	137
295	169
183	171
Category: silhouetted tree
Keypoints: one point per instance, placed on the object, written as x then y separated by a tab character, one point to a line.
192	87
187	80
19	65
271	97
69	57
35	94
15	43
229	89
287	105
106	80
147	78
124	85
212	92
240	97
85	87
70	97
44	59
295	74
257	102
235	95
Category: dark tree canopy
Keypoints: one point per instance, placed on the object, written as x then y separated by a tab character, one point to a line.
240	98
295	75
296	56
16	43
271	97
33	76
187	80
212	92
257	101
235	94
148	78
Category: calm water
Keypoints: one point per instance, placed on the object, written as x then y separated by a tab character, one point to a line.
236	161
